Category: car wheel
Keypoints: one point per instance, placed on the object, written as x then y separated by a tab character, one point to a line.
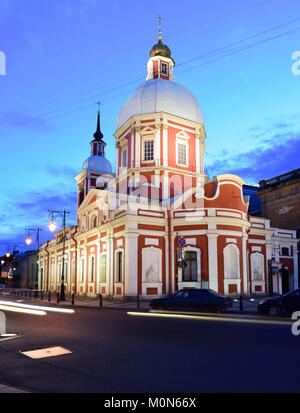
274	311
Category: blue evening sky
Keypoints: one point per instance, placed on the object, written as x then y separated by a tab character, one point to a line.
63	56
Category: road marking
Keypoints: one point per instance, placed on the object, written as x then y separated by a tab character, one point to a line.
210	318
46	352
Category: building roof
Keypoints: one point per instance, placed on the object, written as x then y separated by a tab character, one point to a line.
160	95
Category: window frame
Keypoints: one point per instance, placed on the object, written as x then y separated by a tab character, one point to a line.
164	64
180	141
145	140
119	274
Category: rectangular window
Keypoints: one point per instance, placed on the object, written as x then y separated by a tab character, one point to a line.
82	271
59	272
164	68
149	150
190	268
119	272
92	269
181	154
285	251
103	269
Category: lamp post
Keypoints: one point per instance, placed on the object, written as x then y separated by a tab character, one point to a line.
52	227
28	242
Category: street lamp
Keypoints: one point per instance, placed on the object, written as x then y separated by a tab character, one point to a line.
28	242
52	226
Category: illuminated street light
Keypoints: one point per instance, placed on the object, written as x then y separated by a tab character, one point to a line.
8	254
52	226
28	240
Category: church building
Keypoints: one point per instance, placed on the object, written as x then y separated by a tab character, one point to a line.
159	224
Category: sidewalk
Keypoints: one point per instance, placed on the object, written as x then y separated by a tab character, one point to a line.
249	304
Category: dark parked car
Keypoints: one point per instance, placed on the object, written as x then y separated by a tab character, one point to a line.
283	305
193	300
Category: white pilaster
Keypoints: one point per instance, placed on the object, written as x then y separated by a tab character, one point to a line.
137	148
213	261
157	146
131	264
165	144
296	275
244	258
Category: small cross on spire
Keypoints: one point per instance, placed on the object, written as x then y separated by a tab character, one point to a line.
159	27
99	104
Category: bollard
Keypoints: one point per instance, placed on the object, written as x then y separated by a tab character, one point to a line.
72	298
138	301
241	303
100	300
49	296
57	297
42	296
2	323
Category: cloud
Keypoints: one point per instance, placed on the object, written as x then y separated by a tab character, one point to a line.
65	171
21	120
30	210
280	156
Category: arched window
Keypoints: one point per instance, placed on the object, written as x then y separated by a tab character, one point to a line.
231	262
257	267
93	222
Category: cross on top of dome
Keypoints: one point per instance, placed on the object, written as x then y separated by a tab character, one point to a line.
160	49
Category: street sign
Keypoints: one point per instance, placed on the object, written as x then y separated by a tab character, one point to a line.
181	242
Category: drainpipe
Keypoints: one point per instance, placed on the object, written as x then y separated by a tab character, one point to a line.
170	250
75	278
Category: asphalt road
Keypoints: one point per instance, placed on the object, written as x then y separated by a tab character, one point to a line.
115	352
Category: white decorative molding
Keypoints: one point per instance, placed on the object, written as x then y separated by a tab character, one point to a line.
228	214
191	241
231	241
151	241
258	225
256	249
119	242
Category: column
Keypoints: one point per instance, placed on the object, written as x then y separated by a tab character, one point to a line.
157	144
213	261
245	272
137	147
131	264
296	275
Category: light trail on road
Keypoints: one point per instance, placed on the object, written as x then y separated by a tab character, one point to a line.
210	318
37	307
21	310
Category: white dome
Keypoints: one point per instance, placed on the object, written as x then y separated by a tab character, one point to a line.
98	163
160	95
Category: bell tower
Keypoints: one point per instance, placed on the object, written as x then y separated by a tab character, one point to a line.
160	64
